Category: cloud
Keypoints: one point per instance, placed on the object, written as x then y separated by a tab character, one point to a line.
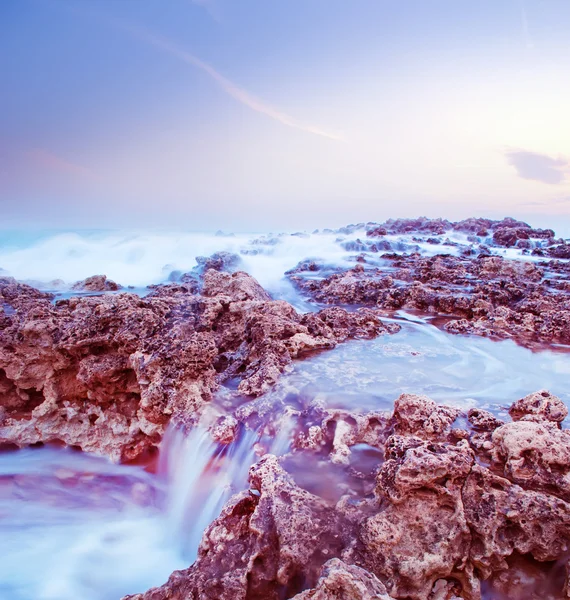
229	87
53	162
538	167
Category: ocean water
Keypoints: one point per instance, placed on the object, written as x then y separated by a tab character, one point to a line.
77	526
138	259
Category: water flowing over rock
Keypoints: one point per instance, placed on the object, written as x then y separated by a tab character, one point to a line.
439	524
485	295
272	487
107	373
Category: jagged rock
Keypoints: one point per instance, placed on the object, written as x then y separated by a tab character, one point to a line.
268	546
219	261
339	581
107	373
421	416
539	406
504	518
96	283
437	525
483	420
486	295
421	536
535	455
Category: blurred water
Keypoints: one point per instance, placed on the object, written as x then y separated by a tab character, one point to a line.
77	526
142	258
463	371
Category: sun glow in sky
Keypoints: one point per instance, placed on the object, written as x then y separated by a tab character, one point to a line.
249	114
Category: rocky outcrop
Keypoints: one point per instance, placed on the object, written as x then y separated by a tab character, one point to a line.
439	526
340	581
268	543
486	295
107	373
96	283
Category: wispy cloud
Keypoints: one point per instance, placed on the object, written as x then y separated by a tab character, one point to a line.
228	86
538	167
53	162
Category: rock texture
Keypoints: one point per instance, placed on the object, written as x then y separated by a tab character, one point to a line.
266	546
340	581
484	295
439	524
107	373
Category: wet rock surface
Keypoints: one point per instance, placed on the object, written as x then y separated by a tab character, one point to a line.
107	373
483	295
437	523
422	502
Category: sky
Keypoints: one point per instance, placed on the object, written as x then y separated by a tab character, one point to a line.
247	115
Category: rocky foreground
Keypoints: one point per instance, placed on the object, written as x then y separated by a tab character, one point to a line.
454	506
107	373
448	508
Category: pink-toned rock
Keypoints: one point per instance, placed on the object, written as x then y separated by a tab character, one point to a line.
420	416
96	283
483	420
504	518
539	406
339	581
535	455
265	547
107	373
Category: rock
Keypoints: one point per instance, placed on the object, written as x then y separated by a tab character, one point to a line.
96	283
483	420
504	518
339	581
219	261
535	455
107	373
421	536
268	546
238	286
486	295
420	416
509	236
559	251
437	525
539	406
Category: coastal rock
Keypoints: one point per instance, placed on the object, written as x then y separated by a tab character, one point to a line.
107	373
269	545
339	581
482	295
539	406
438	526
219	261
420	416
483	420
504	518
536	455
421	536
96	283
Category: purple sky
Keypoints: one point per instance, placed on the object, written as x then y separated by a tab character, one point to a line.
287	114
